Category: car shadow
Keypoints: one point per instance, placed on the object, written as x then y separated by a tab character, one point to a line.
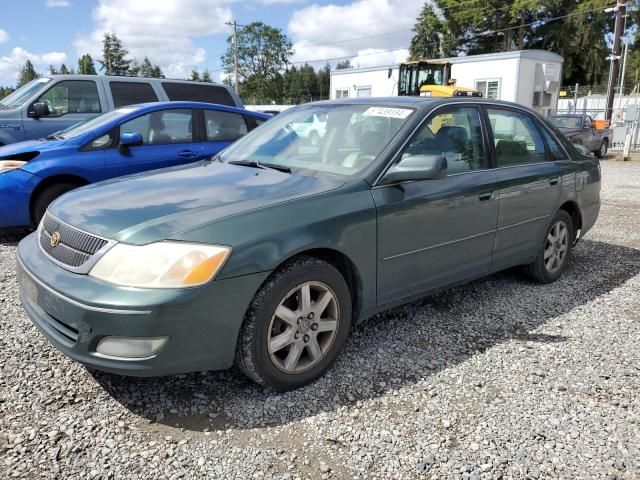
398	348
11	237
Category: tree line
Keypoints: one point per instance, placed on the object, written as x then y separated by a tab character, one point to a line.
576	30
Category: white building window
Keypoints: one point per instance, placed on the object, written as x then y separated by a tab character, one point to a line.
342	93
363	91
489	88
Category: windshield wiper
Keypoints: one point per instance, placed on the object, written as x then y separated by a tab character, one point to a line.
255	164
53	136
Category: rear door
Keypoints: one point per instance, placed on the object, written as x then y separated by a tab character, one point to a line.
221	129
168	140
529	185
432	233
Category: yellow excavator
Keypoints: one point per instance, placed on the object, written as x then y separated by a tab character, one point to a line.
430	78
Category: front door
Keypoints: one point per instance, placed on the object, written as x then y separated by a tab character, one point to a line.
433	233
168	140
69	102
528	186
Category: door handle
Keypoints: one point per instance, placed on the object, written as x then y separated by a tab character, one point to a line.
187	153
553	181
485	196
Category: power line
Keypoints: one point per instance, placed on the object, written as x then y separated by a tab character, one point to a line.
479	35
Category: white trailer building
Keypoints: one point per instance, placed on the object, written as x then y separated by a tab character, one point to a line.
528	77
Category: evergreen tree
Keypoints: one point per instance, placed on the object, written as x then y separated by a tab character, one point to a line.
64	70
206	76
113	56
27	73
86	65
324	81
426	41
195	75
343	64
53	70
149	70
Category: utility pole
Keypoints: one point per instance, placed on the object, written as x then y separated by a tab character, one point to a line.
615	56
235	26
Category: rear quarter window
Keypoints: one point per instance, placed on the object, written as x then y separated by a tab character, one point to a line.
130	93
198	93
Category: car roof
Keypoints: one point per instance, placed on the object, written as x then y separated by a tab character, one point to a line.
152	106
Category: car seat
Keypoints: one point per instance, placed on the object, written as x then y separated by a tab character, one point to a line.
156	129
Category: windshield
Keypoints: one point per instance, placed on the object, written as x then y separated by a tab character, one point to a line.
24	93
415	75
566	122
81	128
348	141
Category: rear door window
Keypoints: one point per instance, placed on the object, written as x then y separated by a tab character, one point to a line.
130	93
517	139
224	126
72	96
204	92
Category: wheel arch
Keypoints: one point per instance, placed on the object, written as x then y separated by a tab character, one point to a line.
573	210
54	180
343	264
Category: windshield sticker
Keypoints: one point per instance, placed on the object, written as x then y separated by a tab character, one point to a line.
387	112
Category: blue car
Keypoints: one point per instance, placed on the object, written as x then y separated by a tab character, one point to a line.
127	140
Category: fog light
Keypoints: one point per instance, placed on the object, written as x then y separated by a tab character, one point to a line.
131	347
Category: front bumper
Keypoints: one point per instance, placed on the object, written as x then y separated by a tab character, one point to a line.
76	311
15	193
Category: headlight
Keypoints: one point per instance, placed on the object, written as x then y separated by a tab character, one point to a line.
161	265
7	165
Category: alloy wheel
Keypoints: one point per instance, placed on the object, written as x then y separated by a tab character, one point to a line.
556	247
303	327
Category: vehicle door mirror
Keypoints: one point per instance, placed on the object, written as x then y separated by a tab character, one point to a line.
417	167
130	140
39	109
582	149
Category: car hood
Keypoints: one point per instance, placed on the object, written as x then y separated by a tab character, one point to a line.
29	146
156	205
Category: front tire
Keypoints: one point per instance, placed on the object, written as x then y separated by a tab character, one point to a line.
296	325
45	197
554	252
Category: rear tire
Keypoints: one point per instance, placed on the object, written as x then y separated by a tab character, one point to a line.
45	197
604	148
296	325
554	251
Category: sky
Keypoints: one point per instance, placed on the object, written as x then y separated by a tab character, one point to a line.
183	34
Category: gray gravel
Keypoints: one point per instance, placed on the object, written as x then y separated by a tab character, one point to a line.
501	378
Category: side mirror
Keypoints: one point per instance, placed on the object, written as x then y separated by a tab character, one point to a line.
130	140
39	109
417	167
582	149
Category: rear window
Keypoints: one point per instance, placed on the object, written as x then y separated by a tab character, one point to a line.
198	93
130	93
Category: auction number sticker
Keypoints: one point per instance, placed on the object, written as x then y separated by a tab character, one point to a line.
388	112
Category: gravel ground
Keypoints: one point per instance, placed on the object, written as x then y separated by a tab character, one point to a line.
500	378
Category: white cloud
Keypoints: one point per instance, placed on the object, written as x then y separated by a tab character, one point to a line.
163	30
4	36
58	3
363	29
10	64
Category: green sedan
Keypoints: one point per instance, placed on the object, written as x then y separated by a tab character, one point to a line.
266	255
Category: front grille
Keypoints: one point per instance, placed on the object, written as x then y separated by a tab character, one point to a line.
74	248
